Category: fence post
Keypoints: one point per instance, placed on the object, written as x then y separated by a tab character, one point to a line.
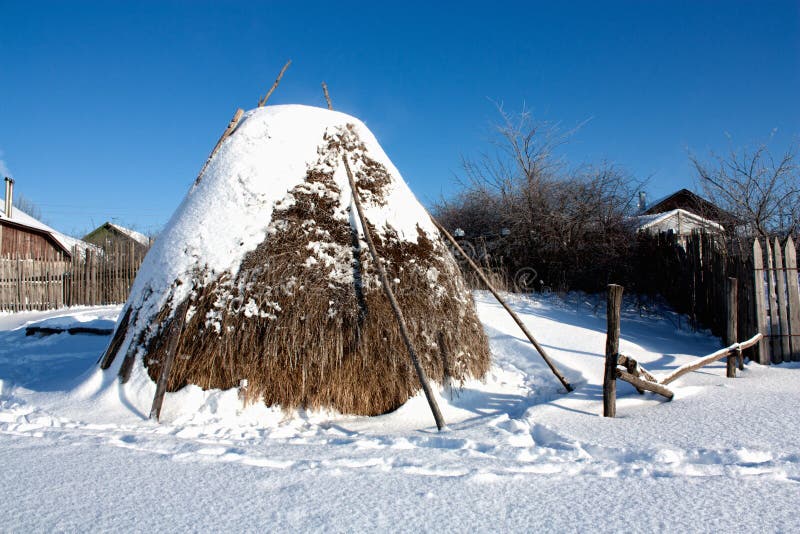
760	304
613	307
790	257
731	290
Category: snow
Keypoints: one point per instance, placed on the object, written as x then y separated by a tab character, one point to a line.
663	221
78	452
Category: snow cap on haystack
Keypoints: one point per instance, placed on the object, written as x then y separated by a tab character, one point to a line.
283	297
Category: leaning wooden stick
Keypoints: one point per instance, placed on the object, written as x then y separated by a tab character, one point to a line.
176	328
274	85
116	341
638	383
387	289
228	131
680	371
511	312
327	96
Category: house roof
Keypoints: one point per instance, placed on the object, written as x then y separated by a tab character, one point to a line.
691	202
127	232
21	219
643	222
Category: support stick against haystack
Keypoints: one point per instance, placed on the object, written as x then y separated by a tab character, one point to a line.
437	414
228	131
172	345
511	312
327	96
274	85
116	341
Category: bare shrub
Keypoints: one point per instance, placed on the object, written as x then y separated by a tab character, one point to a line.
569	225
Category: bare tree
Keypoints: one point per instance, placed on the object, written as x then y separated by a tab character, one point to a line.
23	203
761	191
568	225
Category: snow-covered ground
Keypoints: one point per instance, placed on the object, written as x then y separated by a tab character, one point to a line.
519	454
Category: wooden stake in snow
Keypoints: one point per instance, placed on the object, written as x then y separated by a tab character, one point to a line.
731	335
228	131
511	312
327	96
387	289
274	85
613	307
169	358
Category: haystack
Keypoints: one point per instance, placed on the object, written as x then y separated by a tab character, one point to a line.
282	298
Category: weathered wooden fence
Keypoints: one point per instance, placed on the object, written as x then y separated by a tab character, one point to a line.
91	277
692	274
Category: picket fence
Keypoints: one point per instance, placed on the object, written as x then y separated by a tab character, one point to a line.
92	277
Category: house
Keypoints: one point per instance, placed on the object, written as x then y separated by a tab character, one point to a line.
23	237
681	212
109	233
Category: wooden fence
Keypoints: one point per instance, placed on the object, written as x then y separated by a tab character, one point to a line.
92	277
692	274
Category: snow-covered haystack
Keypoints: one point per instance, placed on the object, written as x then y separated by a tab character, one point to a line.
283	297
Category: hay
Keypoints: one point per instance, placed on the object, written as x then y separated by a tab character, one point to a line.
304	321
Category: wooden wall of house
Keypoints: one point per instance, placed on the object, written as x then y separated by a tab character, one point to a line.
24	244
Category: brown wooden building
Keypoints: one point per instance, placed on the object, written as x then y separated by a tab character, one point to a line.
25	238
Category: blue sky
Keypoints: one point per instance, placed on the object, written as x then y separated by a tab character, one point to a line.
108	110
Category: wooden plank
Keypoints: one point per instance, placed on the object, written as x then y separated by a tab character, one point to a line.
760	305
783	306
613	307
793	291
772	302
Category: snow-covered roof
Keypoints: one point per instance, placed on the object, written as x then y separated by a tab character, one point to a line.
20	217
133	234
643	222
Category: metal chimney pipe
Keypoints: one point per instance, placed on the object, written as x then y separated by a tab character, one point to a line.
9	195
642	201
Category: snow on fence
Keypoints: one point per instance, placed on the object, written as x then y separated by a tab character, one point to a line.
91	277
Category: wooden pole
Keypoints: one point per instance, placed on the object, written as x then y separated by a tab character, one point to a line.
638	383
228	131
327	96
116	341
175	331
711	358
502	302
387	289
731	291
274	85
613	307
